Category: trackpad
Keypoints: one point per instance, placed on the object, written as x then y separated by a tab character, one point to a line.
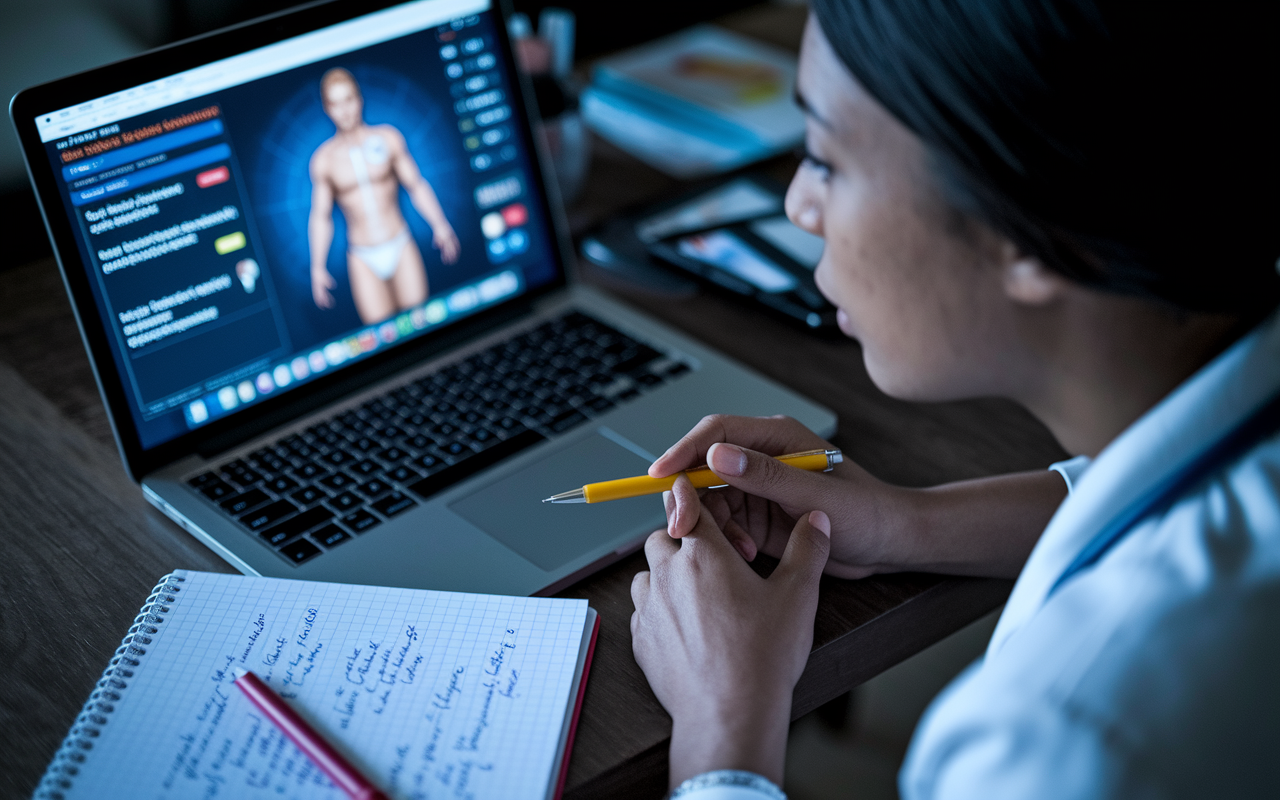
550	535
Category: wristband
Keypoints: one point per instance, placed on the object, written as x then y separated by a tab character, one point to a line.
729	779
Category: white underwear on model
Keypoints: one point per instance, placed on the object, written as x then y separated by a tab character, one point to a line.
382	258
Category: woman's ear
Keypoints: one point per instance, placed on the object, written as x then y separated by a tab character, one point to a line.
1028	281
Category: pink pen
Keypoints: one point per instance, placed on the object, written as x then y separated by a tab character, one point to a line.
346	777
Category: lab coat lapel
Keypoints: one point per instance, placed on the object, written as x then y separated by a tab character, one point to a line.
1207	406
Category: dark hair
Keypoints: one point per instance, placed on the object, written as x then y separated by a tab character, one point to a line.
1129	146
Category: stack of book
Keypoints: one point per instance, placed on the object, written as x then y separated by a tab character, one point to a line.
699	102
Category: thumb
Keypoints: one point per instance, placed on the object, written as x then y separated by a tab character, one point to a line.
764	476
807	548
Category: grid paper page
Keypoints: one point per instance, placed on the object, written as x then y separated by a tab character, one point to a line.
430	694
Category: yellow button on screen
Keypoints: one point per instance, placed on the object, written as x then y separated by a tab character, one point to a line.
229	243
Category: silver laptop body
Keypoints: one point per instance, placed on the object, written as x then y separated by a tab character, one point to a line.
188	177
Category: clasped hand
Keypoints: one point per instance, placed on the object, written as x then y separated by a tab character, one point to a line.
721	646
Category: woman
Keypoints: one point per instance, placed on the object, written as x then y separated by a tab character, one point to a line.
1047	200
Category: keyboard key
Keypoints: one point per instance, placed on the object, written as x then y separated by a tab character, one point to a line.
216	489
364	444
272	464
445	478
421	442
642	356
600	404
510	426
360	521
232	467
428	462
337	481
394	503
648	379
246	500
202	479
444	429
392	455
331	536
311	470
267	515
345	502
678	368
307	496
403	474
337	458
281	484
300	551
282	532
373	488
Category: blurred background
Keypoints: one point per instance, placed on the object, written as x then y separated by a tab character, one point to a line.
853	746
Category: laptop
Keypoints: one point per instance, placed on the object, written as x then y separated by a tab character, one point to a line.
325	283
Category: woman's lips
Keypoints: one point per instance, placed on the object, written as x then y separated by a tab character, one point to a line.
843	321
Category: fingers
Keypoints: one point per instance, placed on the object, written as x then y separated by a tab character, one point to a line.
321	283
741	540
683	508
706	536
447	243
659	548
776	435
764	476
639	592
807	549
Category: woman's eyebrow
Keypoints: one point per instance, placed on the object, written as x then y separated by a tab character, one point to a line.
807	108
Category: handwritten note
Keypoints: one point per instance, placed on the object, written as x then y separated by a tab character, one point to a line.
434	694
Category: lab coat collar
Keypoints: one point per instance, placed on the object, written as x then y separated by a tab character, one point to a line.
1194	416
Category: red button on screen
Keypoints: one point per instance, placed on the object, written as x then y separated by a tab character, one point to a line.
212	177
515	215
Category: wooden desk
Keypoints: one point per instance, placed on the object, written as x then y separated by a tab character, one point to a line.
79	547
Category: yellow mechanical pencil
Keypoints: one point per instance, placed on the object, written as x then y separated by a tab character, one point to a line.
701	478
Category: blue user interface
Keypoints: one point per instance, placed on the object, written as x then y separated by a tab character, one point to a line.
257	222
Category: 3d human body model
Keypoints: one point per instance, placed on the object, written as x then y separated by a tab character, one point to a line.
362	169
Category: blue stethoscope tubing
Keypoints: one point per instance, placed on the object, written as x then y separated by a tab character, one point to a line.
1256	427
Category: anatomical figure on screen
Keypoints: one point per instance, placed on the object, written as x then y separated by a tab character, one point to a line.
362	168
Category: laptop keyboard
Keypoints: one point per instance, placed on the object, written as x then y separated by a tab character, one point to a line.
313	491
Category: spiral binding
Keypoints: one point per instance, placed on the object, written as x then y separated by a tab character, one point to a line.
60	776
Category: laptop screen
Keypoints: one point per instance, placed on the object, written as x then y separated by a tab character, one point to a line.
260	221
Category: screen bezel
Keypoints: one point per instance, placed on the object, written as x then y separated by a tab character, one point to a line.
223	434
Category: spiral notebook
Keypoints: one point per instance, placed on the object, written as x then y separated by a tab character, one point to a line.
430	694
